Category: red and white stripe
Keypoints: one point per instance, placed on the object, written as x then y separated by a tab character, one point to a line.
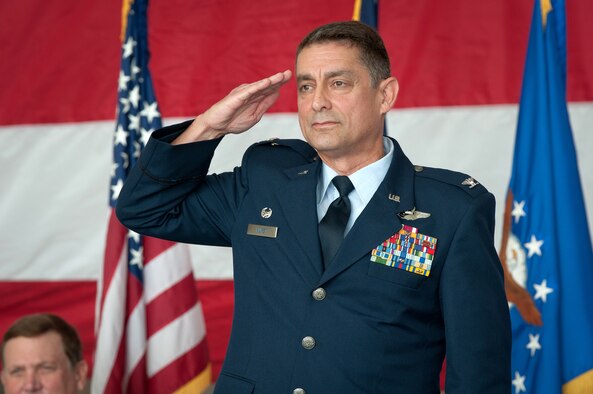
151	338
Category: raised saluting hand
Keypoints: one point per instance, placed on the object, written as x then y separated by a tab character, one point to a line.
240	110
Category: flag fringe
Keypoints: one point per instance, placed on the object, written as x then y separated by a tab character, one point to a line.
197	384
582	384
356	11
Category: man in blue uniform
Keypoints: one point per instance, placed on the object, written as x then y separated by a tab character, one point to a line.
355	271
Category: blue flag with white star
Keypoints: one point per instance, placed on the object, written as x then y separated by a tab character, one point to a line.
548	249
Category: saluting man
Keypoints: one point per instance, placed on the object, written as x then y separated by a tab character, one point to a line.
355	271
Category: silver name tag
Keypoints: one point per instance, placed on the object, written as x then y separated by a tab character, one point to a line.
262	231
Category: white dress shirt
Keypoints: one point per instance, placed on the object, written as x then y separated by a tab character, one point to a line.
366	181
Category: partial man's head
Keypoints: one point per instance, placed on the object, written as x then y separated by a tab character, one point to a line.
345	88
371	49
42	353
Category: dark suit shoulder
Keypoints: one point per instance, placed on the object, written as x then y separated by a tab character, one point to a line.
451	180
280	152
296	145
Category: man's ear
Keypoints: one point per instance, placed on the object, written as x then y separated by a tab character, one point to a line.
388	88
80	374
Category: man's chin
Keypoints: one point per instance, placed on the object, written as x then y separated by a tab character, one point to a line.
322	142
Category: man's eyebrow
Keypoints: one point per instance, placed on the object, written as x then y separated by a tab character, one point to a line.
329	74
338	73
304	77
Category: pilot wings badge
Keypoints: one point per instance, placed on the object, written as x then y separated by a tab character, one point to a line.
413	214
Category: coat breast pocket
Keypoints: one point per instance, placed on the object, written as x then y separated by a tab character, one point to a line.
233	384
395	275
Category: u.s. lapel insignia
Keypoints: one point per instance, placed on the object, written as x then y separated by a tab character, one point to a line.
471	182
413	214
407	250
394	197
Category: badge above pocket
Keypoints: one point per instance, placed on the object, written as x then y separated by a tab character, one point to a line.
407	250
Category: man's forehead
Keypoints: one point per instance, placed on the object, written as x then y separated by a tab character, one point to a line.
47	347
332	57
331	44
330	47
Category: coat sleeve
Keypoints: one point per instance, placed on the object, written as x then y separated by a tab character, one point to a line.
169	195
475	310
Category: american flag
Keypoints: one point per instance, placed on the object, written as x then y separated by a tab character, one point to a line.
151	335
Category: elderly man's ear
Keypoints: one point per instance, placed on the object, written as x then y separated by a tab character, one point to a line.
80	374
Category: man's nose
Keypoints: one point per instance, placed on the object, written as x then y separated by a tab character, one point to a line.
32	382
321	100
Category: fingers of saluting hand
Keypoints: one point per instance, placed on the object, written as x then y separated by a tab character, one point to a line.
264	87
246	104
242	108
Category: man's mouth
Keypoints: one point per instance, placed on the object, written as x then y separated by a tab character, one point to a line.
324	124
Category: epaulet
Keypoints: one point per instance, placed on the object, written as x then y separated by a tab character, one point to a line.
458	179
297	145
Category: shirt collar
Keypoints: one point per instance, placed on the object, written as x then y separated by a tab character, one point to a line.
366	181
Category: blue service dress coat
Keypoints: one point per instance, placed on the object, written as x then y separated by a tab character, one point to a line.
358	326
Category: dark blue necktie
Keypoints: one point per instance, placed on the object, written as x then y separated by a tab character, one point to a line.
333	224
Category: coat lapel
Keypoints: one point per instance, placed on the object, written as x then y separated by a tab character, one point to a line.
379	220
299	205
